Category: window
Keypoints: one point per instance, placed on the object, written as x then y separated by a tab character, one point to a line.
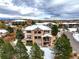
46	31
46	38
37	37
28	31
39	32
28	36
35	32
46	43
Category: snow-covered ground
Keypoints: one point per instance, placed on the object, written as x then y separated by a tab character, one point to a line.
76	36
69	29
72	29
48	54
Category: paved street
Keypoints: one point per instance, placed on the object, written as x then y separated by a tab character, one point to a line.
74	43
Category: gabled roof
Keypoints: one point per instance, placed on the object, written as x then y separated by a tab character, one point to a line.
33	27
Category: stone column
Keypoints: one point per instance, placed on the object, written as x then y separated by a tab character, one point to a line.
33	39
52	40
42	32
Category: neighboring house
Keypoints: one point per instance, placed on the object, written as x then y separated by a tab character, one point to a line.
3	32
49	24
19	22
69	25
40	34
44	23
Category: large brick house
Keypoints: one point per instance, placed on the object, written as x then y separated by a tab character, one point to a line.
40	34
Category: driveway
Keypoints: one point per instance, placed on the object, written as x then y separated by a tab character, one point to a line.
48	53
74	43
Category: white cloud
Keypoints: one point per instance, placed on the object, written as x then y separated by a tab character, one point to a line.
30	10
10	16
6	2
26	10
71	8
42	8
21	9
29	17
58	1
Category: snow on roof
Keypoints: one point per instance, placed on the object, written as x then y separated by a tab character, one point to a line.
19	20
45	23
3	31
42	27
72	29
69	23
53	23
47	35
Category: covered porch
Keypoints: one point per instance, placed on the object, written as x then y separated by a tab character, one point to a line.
46	41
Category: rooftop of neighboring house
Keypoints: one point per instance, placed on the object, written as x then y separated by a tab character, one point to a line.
33	27
3	31
19	20
44	23
69	23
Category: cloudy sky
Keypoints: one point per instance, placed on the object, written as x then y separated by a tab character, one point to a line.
40	9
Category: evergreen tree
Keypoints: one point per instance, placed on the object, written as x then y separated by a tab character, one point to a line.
36	52
2	25
63	48
19	34
33	22
7	51
21	51
1	42
10	30
54	30
1	46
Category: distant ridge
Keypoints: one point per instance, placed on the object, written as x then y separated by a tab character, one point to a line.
52	19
